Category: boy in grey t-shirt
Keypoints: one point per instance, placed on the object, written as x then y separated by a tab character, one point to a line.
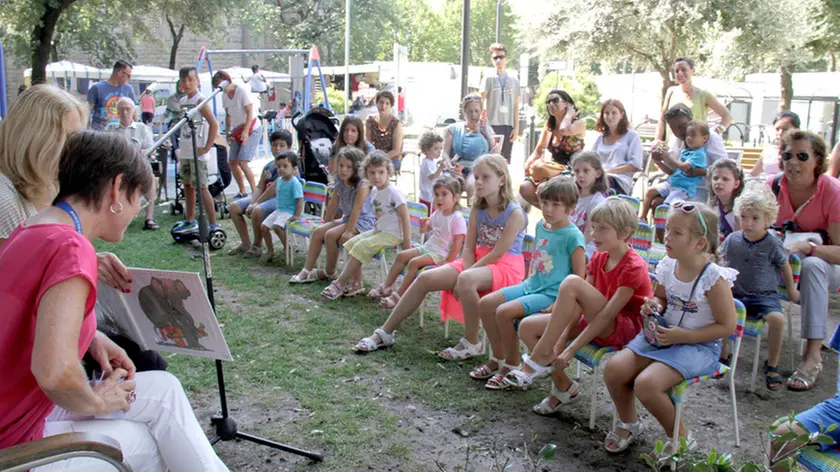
500	92
759	257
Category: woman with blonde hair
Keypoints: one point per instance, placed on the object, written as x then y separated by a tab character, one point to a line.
31	138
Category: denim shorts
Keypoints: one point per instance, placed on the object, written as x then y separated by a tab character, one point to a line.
827	412
759	306
531	302
238	152
267	206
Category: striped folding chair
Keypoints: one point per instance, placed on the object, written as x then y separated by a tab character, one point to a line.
642	240
660	215
591	356
820	461
315	196
416	213
755	327
677	393
637	204
655	255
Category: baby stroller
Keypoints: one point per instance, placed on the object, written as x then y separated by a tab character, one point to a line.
317	130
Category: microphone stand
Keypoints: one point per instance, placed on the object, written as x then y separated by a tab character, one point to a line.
226	429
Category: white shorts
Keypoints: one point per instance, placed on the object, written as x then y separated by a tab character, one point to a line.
671	193
277	219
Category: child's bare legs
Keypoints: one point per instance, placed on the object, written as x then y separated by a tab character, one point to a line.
487	307
470	282
209	205
189	196
619	373
352	270
269	243
281	234
506	314
650	202
257	217
531	329
435	280
237	214
334	237
402	260
651	386
775	335
316	243
414	265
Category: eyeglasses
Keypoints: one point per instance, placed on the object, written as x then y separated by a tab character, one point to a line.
688	207
498	58
802	156
553	101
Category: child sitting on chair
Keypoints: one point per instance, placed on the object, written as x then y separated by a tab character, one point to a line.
694	297
391	228
604	308
559	250
448	228
289	203
759	257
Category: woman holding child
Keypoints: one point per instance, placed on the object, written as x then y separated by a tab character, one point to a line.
809	199
467	140
49	287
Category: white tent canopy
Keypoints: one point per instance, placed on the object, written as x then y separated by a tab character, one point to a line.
143	73
69	69
242	74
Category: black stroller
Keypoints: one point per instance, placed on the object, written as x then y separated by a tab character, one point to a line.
219	177
317	130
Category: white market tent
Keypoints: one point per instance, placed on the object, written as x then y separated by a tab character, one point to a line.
242	74
68	70
142	73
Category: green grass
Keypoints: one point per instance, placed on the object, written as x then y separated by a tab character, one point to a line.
288	340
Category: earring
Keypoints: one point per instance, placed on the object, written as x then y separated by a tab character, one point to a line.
116	212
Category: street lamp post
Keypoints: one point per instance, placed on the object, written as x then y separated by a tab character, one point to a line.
498	21
465	47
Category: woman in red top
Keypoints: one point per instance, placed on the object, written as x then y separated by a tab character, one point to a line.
48	291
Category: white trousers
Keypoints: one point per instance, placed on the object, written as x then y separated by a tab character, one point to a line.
159	432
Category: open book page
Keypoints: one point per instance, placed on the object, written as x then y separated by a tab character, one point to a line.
112	316
173	314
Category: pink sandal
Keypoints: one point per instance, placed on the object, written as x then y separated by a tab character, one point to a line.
334	291
390	302
380	292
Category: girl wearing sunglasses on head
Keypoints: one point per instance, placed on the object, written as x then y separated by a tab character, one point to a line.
810	199
694	296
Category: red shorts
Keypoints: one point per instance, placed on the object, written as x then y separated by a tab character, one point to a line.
626	328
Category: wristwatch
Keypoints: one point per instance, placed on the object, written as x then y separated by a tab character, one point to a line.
813	248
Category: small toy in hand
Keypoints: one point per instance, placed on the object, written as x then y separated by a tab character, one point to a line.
652	322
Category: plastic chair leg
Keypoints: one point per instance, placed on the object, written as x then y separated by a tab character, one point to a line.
675	438
756	359
446	329
592	402
577	374
791	349
422	312
734	410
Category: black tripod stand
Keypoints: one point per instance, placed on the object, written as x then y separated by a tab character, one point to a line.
225	425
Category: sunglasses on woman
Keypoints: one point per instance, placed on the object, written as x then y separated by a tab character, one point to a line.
688	207
802	156
553	101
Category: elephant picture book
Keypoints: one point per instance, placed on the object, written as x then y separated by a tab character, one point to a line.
165	311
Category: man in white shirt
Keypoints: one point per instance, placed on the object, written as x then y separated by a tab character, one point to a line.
257	80
677	117
141	135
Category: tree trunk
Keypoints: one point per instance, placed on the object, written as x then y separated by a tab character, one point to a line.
666	84
786	90
832	62
177	36
42	36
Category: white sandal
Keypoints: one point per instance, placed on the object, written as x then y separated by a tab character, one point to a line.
520	379
563	398
469	350
483	372
369	345
304	277
635	428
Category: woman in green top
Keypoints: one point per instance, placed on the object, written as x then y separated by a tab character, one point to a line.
699	100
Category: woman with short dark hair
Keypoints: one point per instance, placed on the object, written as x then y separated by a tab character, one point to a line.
808	203
48	290
619	146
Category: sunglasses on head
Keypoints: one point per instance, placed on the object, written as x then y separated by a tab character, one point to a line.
802	156
498	58
688	207
553	101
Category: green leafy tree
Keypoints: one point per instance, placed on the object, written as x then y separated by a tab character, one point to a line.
209	18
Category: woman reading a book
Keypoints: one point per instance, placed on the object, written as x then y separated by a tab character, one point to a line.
48	291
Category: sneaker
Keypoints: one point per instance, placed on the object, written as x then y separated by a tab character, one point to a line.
188	226
214	226
182	223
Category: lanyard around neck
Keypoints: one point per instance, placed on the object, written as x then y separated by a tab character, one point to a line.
502	84
73	215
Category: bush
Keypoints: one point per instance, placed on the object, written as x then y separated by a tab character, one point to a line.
336	99
583	90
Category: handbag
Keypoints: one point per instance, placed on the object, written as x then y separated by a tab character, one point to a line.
545	169
655	320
